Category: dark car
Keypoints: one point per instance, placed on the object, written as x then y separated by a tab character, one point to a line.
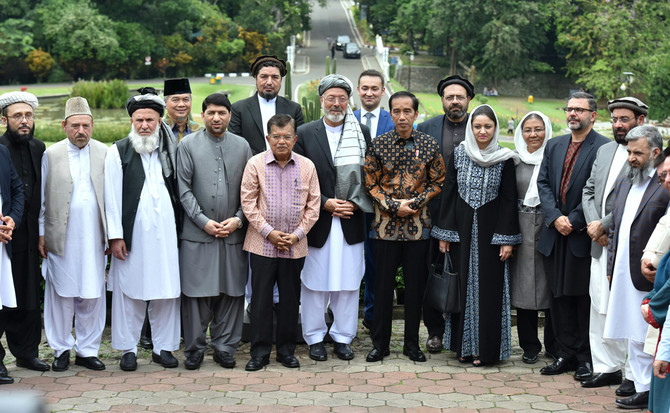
341	41
351	51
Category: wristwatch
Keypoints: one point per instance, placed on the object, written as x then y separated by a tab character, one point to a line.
239	222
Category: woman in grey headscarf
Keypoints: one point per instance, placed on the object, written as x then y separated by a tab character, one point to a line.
530	291
478	224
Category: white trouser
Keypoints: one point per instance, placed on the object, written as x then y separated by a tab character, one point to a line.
313	305
128	317
640	365
608	355
89	322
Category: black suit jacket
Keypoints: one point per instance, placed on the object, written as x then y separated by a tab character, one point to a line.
549	186
12	190
247	122
313	144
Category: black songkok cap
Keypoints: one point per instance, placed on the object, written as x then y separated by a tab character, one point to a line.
147	99
176	87
456	79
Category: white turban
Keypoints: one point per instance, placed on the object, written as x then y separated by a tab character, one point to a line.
10	98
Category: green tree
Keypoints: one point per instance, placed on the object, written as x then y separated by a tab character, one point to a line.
40	63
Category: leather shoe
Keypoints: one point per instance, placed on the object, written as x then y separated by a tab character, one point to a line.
561	365
414	355
376	355
166	359
584	371
636	401
62	362
91	363
434	344
128	362
317	352
146	343
626	389
603	379
288	361
343	351
32	364
224	359
6	380
257	363
194	360
529	358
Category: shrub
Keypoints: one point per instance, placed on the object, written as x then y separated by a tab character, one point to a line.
103	132
102	95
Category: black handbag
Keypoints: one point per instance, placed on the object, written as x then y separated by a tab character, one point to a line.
443	286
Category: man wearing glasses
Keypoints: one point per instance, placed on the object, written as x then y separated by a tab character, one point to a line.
597	200
564	240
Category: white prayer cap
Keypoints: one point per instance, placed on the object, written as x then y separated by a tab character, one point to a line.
10	98
77	106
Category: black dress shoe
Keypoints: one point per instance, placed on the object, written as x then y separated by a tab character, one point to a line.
32	364
224	359
603	379
414	355
626	389
62	362
288	361
376	355
529	358
194	360
6	380
584	371
434	344
91	363
317	352
343	351
166	359
146	343
561	365
367	324
128	362
257	363
636	401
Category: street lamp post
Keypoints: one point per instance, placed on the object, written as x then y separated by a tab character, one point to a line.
409	73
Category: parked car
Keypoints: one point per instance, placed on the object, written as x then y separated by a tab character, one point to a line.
351	51
341	41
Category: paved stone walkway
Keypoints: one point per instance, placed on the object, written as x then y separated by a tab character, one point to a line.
394	385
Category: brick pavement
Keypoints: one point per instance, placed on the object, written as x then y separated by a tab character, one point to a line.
394	385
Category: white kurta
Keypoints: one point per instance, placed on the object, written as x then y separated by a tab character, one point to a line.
624	320
151	269
7	295
81	271
599	286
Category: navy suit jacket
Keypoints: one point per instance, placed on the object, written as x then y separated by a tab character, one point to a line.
385	123
549	185
652	207
12	190
247	122
313	144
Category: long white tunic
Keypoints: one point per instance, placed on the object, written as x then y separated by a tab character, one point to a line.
151	269
337	266
7	295
624	320
81	271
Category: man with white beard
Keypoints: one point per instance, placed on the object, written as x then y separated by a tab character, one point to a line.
142	206
639	202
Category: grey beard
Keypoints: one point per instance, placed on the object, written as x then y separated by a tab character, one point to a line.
144	144
636	176
334	118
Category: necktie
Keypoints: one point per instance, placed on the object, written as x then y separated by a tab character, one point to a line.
368	120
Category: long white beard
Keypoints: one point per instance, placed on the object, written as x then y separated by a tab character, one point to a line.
144	144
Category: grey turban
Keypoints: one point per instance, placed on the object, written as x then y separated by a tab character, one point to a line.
331	81
147	99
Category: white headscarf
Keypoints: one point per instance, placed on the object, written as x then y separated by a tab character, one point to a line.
492	154
532	197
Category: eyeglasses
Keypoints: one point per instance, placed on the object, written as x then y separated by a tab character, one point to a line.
578	111
18	117
622	120
529	131
458	98
281	138
333	99
662	176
